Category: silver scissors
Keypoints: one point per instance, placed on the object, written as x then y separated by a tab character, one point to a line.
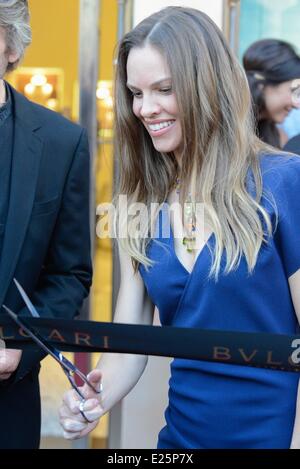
68	367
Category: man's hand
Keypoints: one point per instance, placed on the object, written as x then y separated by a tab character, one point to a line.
9	361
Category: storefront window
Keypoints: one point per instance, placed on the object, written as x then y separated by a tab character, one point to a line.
269	19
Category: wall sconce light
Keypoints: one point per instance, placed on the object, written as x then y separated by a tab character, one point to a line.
41	85
41	90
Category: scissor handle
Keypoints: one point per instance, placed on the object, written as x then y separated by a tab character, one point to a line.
69	367
73	384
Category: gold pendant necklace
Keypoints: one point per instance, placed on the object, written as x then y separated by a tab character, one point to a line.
189	221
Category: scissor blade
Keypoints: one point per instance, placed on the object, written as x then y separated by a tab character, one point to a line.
26	299
48	348
43	343
34	335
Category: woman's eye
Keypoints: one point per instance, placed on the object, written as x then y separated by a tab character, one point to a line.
296	93
166	90
136	94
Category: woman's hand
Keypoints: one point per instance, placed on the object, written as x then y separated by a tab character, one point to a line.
72	421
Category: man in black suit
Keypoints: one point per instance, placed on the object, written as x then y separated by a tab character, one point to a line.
44	225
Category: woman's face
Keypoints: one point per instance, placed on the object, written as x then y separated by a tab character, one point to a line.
154	102
279	100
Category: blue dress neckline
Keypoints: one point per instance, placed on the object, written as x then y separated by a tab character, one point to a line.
201	254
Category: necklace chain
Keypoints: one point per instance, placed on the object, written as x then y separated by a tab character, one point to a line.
189	220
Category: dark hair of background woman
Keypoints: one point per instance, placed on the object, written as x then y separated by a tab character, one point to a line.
269	62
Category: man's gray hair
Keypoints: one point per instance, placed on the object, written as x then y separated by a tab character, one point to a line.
14	18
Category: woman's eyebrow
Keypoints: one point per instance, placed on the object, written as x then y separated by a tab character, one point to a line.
156	83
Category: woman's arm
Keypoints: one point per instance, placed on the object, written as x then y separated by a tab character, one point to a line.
294	282
121	371
118	372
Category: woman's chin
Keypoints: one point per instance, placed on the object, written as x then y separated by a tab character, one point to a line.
281	117
164	148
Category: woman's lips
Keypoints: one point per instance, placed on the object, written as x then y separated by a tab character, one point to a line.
162	131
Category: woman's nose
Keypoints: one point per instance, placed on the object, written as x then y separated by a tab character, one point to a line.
149	107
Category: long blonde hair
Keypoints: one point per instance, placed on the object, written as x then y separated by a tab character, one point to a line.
219	141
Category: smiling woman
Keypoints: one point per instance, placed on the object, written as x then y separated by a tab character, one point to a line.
273	72
154	100
185	137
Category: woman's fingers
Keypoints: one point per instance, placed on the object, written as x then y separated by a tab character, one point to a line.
90	427
94	378
72	430
71	400
91	408
92	411
71	436
75	424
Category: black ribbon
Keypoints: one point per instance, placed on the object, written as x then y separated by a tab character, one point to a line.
272	351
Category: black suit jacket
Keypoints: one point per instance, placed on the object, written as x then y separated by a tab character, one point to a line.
46	243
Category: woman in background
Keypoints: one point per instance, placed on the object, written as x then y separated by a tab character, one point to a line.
185	135
273	71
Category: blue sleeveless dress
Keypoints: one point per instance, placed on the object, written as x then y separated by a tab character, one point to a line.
215	405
